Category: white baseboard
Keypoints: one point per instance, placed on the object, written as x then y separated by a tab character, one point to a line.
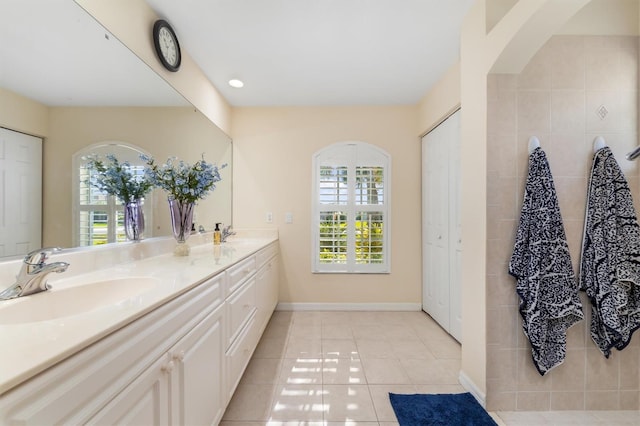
348	307
471	387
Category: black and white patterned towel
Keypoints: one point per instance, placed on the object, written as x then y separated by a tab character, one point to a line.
610	259
546	283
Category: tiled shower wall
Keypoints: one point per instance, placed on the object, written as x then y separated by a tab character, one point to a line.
557	98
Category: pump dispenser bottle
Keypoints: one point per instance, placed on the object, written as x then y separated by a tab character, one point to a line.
217	235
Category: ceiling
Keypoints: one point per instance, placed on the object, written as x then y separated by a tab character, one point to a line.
287	52
60	56
319	52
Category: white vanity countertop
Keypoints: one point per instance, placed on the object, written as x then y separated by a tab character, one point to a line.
31	347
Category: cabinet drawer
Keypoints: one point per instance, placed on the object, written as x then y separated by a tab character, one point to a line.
239	272
238	356
265	254
241	305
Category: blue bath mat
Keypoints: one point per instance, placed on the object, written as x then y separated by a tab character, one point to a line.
460	409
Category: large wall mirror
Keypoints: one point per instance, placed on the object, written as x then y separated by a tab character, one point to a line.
65	79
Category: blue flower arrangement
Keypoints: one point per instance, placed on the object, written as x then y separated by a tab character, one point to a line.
116	178
184	182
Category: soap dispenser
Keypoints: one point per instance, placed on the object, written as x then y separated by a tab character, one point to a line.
217	235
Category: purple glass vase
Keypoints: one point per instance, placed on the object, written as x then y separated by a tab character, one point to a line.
134	220
181	222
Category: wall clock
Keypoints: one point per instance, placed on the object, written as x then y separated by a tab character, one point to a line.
166	44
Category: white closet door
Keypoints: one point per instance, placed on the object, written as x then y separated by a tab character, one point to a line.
20	193
441	225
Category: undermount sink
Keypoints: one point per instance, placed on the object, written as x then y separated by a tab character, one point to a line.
67	302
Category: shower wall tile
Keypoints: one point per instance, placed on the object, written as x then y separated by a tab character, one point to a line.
561	401
602	400
503	292
568	58
602	373
628	69
629	400
537	74
569	376
501	401
507	325
576	339
533	401
602	42
601	67
534	109
628	111
528	377
567	111
569	190
570	152
557	98
501	117
608	101
503	372
629	376
501	154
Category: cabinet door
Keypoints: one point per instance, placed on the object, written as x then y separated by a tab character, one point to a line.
266	291
144	402
197	382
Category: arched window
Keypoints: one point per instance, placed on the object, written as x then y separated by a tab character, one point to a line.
98	217
351	195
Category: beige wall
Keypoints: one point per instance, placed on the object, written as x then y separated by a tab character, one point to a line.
162	131
555	98
272	173
131	21
23	114
441	100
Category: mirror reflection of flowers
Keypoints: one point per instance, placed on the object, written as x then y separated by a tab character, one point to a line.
183	182
116	178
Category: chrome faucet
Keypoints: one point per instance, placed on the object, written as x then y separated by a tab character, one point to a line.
32	276
226	232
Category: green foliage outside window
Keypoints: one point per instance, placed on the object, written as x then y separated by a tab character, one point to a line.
369	237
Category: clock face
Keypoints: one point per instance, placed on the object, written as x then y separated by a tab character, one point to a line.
166	44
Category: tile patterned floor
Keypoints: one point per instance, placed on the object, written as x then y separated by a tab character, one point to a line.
337	368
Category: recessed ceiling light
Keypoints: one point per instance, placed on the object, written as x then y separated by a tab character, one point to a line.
234	82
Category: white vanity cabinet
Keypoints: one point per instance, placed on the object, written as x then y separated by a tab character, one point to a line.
250	306
175	365
138	374
184	387
267	279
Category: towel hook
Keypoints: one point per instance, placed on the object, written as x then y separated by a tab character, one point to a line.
598	143
534	143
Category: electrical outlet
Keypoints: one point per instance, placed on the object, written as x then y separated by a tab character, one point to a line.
288	217
269	217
